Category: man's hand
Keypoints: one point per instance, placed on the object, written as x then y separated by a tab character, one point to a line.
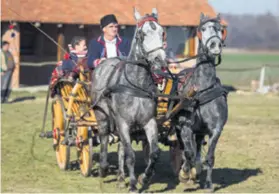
102	59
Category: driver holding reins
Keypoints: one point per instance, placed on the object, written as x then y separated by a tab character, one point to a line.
109	44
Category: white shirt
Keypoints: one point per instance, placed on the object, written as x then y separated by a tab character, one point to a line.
111	48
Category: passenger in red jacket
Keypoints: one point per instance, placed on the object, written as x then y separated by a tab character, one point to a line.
68	67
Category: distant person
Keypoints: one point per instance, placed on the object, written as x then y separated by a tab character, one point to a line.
7	69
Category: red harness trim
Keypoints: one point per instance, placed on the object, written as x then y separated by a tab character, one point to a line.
140	24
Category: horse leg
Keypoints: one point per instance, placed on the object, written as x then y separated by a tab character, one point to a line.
128	152
199	165
151	131
121	162
103	131
210	157
188	170
103	155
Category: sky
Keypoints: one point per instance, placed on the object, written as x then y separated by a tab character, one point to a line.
246	6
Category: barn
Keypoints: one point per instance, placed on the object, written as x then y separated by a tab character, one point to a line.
36	55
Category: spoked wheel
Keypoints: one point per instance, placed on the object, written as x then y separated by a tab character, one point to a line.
85	151
58	125
146	151
176	157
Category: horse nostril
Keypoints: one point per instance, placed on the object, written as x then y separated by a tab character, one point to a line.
212	45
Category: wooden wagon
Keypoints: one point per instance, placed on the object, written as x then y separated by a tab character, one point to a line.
74	124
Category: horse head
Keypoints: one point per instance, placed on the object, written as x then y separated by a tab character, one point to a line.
211	35
149	38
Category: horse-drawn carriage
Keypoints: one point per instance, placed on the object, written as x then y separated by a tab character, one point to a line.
204	108
74	123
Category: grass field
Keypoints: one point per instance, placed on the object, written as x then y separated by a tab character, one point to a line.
248	60
246	158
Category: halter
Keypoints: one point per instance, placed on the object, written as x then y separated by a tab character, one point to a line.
140	35
214	20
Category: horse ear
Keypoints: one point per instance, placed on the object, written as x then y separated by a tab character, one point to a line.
199	34
136	14
202	16
155	12
224	34
219	16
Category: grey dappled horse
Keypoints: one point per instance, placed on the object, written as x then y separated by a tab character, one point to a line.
210	111
124	91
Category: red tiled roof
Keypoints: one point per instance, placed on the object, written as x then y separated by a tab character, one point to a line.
171	12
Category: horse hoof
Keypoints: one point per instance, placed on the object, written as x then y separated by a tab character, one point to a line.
102	172
208	187
183	176
121	182
122	185
134	191
193	174
142	180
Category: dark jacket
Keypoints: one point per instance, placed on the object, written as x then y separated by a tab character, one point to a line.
9	60
68	65
97	50
64	68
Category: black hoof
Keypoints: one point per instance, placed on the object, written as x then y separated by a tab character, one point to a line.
142	180
208	187
103	172
133	190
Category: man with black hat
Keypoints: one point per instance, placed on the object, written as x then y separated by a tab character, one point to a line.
109	44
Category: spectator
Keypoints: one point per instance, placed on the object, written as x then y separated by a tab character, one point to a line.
7	69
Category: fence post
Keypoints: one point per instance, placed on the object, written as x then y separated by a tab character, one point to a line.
262	78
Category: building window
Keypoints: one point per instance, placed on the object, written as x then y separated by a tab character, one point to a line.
28	37
181	41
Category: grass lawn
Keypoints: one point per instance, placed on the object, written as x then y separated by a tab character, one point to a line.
246	157
246	60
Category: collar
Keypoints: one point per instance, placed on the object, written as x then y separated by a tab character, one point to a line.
76	53
111	41
101	40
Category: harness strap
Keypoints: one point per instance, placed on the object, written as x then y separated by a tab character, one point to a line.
210	95
129	91
179	75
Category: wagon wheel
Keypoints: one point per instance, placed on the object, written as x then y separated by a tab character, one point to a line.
176	157
85	151
146	151
58	125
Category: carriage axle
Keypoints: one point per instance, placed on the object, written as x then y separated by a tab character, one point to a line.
54	134
48	134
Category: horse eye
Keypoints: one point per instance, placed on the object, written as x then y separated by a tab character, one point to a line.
203	29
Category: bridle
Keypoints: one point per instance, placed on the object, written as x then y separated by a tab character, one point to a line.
199	33
140	35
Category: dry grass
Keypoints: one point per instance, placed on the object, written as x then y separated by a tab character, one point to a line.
246	157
